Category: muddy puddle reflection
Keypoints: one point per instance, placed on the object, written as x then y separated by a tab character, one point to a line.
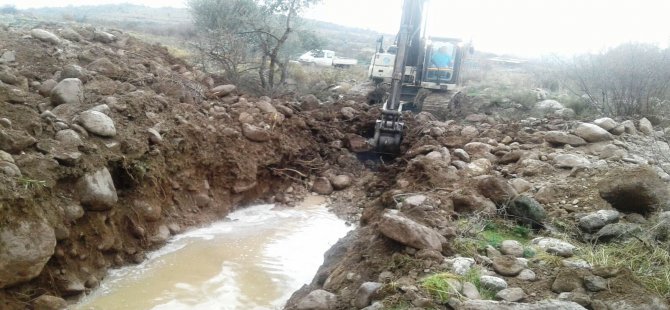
254	260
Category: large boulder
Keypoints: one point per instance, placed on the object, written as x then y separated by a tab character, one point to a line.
97	123
45	36
68	91
646	127
398	227
593	222
497	189
507	265
96	191
255	133
606	123
592	133
223	90
318	300
562	138
322	186
25	247
15	141
527	210
638	190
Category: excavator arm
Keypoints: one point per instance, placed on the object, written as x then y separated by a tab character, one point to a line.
389	128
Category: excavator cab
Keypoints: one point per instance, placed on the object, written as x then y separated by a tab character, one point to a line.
441	64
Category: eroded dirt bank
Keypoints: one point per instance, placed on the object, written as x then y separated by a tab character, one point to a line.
109	146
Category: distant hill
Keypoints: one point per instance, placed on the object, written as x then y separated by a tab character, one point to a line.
176	22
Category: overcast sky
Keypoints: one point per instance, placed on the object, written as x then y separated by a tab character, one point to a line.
522	27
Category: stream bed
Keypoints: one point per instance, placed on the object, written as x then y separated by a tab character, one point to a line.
255	259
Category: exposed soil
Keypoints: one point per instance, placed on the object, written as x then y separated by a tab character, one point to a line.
186	153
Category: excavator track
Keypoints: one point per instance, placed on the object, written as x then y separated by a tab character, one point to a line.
440	104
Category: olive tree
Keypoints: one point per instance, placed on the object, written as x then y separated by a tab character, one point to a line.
244	35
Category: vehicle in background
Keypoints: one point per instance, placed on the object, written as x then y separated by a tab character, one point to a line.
326	58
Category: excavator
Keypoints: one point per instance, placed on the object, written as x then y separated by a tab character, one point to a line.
417	82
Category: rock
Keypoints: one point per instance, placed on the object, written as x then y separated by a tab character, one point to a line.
461	265
69	139
606	123
161	235
561	138
357	144
348	112
4	156
554	246
521	185
629	127
105	67
266	107
5	123
567	280
511	294
96	190
25	247
512	248
73	212
592	133
97	123
492	283
575	263
549	105
15	141
571	161
462	155
618	130
365	292
48	302
415	200
511	157
72	71
595	283
45	36
478	149
617	231
150	212
309	102
70	285
223	90
396	226
507	265
469	132
497	189
9	169
103	37
504	305
646	127
527	211
637	190
68	91
8	57
377	305
155	137
470	291
581	298
527	275
597	220
70	34
322	186
341	182
318	300
255	134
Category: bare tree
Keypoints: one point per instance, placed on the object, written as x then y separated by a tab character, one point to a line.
250	35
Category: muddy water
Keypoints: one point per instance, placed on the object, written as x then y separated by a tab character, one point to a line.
254	260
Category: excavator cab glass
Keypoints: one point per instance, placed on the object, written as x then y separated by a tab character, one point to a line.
439	62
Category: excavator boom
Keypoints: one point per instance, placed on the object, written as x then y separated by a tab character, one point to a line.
389	128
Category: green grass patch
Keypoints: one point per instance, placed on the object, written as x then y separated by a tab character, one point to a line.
439	287
649	263
495	233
